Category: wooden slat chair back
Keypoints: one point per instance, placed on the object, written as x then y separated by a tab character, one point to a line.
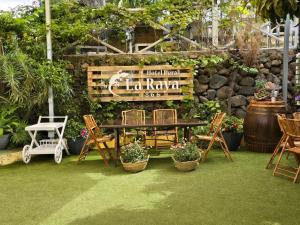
134	117
291	128
215	135
280	119
95	137
165	116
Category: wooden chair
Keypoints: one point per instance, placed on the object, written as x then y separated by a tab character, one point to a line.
279	146
165	116
215	135
292	130
296	115
95	137
134	117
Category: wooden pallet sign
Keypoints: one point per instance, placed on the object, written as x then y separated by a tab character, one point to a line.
135	83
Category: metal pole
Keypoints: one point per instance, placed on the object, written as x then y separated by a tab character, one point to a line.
286	58
49	57
215	23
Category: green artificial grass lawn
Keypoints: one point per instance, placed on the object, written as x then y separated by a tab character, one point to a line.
219	192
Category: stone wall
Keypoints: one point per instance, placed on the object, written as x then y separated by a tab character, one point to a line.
225	82
231	85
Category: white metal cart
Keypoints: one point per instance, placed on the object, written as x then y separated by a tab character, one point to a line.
47	146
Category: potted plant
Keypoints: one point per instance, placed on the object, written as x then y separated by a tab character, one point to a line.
76	134
233	132
11	127
186	156
134	157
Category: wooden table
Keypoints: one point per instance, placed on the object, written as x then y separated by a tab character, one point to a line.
117	125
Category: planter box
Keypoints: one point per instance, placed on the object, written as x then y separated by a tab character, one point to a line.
4	140
135	167
75	145
186	166
233	140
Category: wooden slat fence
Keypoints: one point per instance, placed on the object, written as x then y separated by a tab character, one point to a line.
135	83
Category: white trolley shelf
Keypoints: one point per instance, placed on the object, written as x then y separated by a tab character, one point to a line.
53	146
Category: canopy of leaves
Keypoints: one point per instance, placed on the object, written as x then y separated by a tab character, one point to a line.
275	10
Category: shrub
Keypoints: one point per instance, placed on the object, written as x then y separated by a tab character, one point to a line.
186	151
133	152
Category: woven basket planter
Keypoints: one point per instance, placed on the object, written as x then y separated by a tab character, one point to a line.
135	167
186	166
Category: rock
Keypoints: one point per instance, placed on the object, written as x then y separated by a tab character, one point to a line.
264	59
217	81
203	79
268	65
275	70
236	87
247	81
246	90
224	72
238	100
203	99
276	62
202	88
224	92
240	113
264	71
211	94
197	86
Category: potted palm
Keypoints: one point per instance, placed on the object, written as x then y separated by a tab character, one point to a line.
233	132
186	156
76	134
134	157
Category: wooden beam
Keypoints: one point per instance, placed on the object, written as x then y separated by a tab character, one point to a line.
106	44
154	43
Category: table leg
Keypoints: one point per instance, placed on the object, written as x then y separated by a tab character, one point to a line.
117	142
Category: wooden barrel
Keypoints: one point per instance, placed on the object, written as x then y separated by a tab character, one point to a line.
261	129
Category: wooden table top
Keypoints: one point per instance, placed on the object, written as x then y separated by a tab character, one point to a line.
149	123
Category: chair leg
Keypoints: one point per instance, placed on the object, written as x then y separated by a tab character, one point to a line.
84	151
297	174
277	164
208	149
225	147
276	150
101	152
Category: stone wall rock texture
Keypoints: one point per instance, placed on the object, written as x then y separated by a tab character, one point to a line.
225	82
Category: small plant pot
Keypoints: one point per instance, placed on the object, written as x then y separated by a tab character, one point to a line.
4	140
233	140
75	145
186	166
135	167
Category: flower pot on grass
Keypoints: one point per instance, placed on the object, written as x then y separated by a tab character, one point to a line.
186	156
233	139
75	145
4	140
76	134
134	157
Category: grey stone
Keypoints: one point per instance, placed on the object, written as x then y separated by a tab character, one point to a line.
268	65
224	92
275	70
247	81
202	88
240	113
264	59
236	87
264	71
276	62
246	90
238	100
203	99
217	81
203	79
196	86
224	71
211	94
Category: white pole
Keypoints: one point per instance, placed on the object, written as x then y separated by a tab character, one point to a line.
286	58
297	75
49	57
215	23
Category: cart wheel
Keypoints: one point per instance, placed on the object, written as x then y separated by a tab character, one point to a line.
58	154
25	154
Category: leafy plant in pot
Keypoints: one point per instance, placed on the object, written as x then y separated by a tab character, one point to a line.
186	156
11	128
76	133
233	132
134	157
